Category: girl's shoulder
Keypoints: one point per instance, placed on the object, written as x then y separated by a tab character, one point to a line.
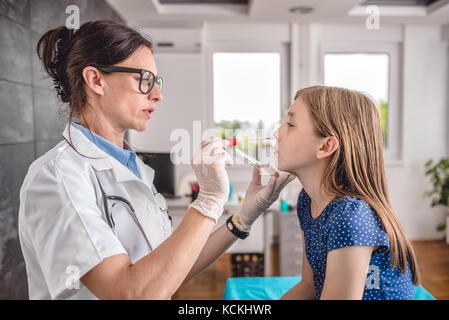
351	208
342	206
344	211
347	205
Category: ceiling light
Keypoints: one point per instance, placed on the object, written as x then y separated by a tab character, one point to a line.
301	10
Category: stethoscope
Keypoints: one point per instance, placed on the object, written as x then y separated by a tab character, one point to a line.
131	211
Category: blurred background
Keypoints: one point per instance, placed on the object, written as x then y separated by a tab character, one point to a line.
237	64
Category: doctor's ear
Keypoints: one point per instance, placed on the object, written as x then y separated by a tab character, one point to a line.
94	80
327	147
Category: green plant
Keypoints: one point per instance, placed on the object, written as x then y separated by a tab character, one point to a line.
439	176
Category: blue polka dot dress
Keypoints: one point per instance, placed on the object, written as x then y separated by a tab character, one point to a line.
352	222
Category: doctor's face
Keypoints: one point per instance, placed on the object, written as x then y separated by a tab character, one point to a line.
298	142
123	103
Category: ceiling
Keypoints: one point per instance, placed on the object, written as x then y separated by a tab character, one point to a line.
179	13
244	2
399	2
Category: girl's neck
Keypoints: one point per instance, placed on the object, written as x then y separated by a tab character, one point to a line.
311	182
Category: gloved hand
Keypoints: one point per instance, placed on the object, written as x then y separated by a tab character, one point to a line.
259	198
209	167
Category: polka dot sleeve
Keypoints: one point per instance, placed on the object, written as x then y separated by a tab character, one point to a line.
355	224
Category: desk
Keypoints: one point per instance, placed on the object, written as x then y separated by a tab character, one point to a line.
272	288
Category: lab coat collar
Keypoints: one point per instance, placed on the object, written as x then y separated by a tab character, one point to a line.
105	161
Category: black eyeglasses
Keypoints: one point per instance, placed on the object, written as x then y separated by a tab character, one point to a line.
146	81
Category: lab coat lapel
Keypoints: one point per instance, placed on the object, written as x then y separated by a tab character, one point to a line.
100	160
105	161
146	172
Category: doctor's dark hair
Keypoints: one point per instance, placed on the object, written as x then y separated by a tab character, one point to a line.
66	52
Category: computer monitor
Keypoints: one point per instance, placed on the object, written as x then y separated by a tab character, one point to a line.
164	176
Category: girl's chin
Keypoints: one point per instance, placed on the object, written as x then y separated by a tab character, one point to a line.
279	163
284	168
280	167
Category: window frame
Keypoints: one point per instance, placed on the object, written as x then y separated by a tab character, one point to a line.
393	154
281	49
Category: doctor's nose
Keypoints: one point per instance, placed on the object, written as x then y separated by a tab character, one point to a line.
155	94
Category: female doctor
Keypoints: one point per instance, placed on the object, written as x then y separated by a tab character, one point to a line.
91	223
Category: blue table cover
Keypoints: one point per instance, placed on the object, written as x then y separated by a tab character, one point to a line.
272	288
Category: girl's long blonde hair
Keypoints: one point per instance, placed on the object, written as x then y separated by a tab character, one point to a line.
356	168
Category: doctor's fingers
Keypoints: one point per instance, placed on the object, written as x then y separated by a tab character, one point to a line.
283	180
214	145
213	165
208	142
257	174
217	157
220	158
277	183
267	169
228	159
208	148
212	153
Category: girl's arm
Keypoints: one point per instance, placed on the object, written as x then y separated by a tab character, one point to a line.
346	272
304	290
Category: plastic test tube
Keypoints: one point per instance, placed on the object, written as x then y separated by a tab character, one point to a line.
253	162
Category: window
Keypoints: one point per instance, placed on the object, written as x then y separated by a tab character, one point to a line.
247	96
366	72
374	70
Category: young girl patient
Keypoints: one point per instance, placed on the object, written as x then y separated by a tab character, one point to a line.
354	245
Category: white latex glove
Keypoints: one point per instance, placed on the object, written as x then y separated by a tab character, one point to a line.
209	167
259	198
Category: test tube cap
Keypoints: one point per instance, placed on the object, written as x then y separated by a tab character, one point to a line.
232	142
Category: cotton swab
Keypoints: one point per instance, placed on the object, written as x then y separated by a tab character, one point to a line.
253	162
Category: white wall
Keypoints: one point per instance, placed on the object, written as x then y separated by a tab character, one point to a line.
424	128
182	104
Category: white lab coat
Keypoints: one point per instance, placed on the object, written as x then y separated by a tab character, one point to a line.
63	231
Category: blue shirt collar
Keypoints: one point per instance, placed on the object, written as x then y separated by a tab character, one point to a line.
125	156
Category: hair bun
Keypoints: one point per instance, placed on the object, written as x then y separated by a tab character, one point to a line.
53	49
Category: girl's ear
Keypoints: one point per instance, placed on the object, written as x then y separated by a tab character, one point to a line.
327	147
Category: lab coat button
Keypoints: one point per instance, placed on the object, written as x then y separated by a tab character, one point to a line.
150	207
